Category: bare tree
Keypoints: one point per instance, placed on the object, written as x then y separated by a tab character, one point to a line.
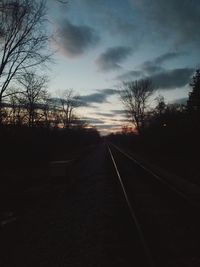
135	96
15	109
160	105
68	102
33	95
46	109
22	39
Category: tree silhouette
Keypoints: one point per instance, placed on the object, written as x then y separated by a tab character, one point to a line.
68	102
193	103
160	105
33	95
135	96
22	39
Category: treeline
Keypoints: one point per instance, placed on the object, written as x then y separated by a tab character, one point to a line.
22	145
166	128
31	105
34	126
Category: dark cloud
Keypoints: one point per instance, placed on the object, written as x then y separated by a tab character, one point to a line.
112	57
165	57
74	40
56	101
109	15
119	112
174	19
125	120
171	79
94	98
129	75
149	67
155	65
104	114
108	91
99	97
175	22
164	79
92	120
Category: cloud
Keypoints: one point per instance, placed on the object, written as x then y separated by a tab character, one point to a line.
155	65
91	120
165	57
119	112
94	98
152	68
174	19
99	97
56	101
129	75
171	79
149	67
163	79
74	40
104	114
109	15
175	23
112	57
108	91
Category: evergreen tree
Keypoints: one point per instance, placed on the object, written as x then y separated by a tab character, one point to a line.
193	103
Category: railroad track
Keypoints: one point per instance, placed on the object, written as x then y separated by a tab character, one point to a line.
166	220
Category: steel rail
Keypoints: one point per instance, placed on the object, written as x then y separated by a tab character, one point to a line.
133	215
157	177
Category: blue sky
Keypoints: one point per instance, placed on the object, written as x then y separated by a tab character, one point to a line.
101	43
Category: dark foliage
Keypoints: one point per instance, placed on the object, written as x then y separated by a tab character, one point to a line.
171	134
193	103
23	146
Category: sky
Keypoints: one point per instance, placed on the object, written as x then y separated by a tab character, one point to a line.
101	43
